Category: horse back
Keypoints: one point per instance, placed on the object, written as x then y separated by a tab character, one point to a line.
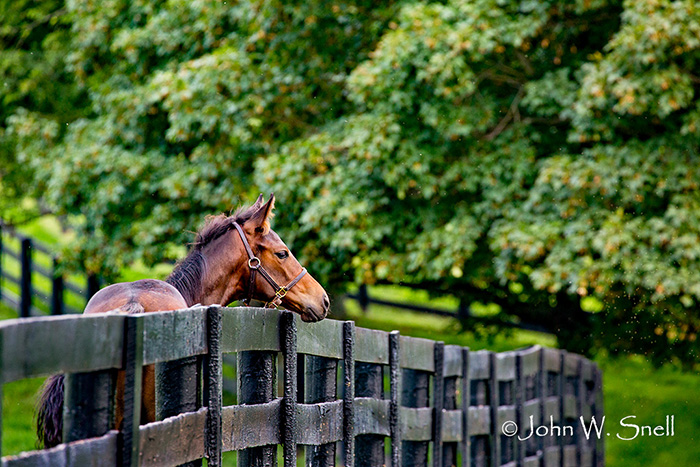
136	297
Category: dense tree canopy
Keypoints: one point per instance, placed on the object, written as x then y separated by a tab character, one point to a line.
541	155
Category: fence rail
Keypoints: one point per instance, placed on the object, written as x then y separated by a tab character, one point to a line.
35	262
350	395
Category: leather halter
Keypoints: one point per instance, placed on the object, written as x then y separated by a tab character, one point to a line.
256	266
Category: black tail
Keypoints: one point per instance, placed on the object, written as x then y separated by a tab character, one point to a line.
49	416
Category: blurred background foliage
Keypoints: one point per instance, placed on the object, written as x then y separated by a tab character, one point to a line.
541	156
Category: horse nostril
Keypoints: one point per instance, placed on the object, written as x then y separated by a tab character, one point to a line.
326	302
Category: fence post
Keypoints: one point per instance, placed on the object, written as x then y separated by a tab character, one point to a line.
414	393
25	306
493	403
363	297
213	386
89	404
466	402
395	390
92	286
321	377
133	379
288	340
349	392
369	382
438	399
256	377
56	290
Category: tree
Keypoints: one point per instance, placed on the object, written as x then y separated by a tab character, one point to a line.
540	155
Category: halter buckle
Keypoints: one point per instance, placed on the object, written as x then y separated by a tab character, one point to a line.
281	292
254	262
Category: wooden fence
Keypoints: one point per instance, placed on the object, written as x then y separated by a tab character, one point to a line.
31	282
352	396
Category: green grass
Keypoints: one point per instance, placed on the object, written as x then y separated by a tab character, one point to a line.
631	385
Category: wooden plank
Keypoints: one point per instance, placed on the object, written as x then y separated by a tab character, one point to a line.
371	416
76	289
451	426
322	339
256	383
415	393
320	387
173	335
288	337
416	423
133	380
349	393
247	426
320	423
505	366
173	441
465	446
571	364
479	420
10	299
371	346
94	452
417	353
394	392
552	360
530	360
11	253
40	346
479	364
438	401
453	361
248	328
212	387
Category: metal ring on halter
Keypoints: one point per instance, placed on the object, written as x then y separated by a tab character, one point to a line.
256	265
281	292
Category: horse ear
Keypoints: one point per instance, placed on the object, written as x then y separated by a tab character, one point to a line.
261	219
258	202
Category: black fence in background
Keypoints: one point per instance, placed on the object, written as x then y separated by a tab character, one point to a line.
39	288
462	312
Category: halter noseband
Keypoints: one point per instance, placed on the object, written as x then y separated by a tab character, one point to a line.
256	266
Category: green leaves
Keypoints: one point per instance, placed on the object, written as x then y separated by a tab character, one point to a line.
537	155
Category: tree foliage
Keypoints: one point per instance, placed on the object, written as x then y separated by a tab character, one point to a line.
541	155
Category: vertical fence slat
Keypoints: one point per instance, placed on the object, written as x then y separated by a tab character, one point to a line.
56	290
133	367
466	402
395	388
88	404
493	402
26	279
369	449
213	387
414	393
91	287
599	414
321	379
288	338
561	380
438	399
256	376
449	450
349	392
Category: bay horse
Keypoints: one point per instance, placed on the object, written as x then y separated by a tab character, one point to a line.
233	258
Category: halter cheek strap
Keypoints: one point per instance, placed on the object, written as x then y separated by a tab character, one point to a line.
255	266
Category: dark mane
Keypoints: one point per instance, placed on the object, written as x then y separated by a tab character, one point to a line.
188	274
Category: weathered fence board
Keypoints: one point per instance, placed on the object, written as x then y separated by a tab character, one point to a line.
441	401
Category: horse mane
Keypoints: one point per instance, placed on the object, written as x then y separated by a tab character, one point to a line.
188	274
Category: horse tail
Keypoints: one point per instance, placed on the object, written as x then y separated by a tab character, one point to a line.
49	417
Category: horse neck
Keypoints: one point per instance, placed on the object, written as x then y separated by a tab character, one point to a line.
211	275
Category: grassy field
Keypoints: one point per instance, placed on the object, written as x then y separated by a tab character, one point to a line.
631	385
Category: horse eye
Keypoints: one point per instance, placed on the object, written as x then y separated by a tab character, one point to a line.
282	254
